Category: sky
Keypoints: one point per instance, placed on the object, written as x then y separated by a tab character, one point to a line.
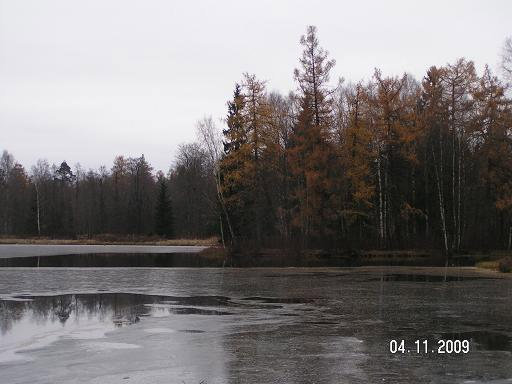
84	81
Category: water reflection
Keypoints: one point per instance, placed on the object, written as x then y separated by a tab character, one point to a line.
118	309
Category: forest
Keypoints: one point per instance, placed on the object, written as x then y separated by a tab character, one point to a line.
392	163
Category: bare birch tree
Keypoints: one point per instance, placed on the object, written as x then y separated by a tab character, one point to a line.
40	174
210	139
506	59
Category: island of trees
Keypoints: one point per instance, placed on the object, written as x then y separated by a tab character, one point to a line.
389	163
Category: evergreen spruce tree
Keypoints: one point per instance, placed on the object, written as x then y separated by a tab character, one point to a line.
234	164
163	216
235	134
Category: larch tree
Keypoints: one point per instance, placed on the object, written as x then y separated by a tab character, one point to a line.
357	154
313	78
311	155
491	140
256	118
459	80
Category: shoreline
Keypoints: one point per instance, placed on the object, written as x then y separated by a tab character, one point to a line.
139	251
107	240
171	256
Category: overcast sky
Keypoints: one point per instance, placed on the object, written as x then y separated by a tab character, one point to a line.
83	81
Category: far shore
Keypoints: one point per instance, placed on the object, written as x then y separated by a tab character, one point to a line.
151	252
111	240
13	251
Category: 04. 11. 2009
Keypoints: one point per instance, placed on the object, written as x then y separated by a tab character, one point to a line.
422	346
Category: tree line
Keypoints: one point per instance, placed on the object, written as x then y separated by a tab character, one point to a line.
127	199
392	162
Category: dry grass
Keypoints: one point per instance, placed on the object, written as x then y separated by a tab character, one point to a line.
497	261
490	265
110	239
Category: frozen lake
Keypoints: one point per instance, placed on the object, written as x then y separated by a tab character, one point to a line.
257	326
31	250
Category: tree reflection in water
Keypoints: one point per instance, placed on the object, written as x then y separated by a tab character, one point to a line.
118	308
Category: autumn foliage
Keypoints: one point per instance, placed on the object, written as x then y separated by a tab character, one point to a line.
391	162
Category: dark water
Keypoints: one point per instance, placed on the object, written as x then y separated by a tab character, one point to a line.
113	260
138	256
250	326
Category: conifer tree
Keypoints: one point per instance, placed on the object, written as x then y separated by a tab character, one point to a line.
163	215
311	154
233	166
357	155
256	116
491	137
235	135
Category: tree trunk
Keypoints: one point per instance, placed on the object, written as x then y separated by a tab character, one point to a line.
223	206
381	223
387	234
510	238
454	204
441	203
38	211
459	187
414	219
426	197
222	232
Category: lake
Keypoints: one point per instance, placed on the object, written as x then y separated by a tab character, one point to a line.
290	325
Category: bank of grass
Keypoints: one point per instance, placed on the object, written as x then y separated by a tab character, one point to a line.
491	261
489	265
110	240
498	261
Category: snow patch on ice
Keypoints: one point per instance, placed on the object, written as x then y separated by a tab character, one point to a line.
107	346
159	330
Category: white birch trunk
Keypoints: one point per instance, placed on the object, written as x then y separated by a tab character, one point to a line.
381	226
459	187
441	202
